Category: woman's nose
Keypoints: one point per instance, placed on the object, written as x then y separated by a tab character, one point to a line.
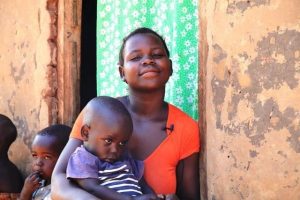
148	60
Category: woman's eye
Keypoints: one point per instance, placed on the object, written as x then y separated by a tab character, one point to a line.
157	55
108	141
135	58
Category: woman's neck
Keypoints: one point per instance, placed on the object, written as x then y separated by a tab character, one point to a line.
148	104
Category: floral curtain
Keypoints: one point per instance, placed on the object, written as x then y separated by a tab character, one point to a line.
175	20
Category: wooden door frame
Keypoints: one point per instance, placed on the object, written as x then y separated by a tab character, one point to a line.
68	59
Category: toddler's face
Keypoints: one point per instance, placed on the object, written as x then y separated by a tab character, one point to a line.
44	155
107	141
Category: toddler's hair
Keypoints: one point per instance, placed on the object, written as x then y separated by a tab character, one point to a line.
100	104
60	131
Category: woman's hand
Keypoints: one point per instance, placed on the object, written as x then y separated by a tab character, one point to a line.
168	196
148	197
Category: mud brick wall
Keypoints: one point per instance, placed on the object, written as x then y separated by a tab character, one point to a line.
250	54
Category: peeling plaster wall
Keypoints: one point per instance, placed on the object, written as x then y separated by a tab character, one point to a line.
25	59
252	98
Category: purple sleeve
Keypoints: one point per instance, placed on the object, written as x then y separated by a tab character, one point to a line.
82	164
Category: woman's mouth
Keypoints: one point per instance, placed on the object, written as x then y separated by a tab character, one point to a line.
149	72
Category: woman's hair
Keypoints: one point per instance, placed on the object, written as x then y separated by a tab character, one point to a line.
60	132
142	30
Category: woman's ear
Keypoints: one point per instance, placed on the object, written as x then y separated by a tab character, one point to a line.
171	67
85	132
122	74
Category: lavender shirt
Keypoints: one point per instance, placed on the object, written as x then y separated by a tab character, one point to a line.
121	176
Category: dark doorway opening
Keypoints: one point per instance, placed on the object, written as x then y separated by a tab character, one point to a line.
88	88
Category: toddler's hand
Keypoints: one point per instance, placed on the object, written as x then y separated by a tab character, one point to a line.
32	182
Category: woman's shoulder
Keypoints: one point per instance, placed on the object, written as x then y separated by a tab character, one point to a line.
177	114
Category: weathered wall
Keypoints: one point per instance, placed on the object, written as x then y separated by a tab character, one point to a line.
252	63
25	64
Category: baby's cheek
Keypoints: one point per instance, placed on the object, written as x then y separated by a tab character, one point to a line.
48	170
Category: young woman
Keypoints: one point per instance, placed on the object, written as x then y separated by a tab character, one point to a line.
164	137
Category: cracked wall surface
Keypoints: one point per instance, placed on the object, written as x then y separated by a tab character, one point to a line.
253	99
27	72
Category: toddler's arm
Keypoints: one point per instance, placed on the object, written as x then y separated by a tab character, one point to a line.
93	186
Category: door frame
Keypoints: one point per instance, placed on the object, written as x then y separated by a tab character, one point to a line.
68	59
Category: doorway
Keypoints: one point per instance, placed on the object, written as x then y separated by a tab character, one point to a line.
88	53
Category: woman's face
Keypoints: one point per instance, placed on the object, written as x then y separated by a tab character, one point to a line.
146	64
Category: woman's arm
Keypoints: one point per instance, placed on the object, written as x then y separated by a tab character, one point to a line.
146	189
61	187
188	186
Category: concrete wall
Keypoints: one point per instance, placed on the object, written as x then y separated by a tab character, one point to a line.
251	56
24	71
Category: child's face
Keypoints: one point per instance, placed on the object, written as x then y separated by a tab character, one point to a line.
108	141
146	64
44	155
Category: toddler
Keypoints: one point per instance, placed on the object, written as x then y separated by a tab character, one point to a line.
45	150
102	165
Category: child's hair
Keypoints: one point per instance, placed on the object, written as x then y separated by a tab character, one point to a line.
60	131
142	30
9	131
97	104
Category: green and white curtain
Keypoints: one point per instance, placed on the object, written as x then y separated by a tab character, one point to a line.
175	20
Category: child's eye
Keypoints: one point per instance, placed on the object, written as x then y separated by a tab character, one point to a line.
47	157
123	143
34	155
108	141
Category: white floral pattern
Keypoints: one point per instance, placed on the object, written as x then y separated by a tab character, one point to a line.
175	20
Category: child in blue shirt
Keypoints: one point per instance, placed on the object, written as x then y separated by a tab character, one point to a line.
101	165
